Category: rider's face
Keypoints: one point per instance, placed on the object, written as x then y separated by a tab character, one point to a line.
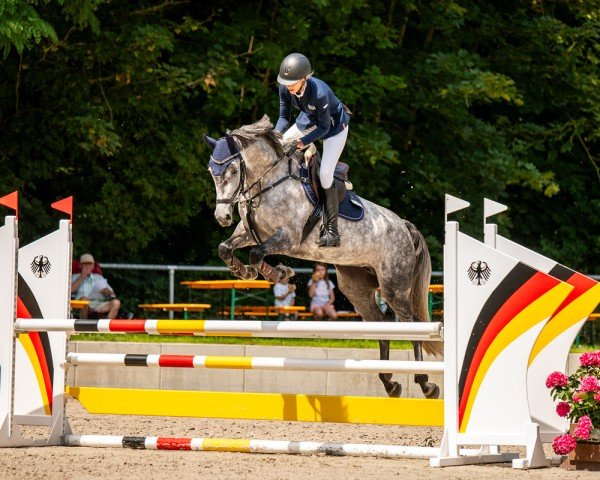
297	87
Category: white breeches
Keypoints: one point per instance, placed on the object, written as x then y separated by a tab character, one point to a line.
332	150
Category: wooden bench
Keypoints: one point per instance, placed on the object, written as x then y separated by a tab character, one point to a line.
177	307
341	315
263	311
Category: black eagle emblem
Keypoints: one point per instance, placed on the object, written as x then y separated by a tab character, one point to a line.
479	272
40	266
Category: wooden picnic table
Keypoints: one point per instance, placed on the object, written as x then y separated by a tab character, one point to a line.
177	307
234	286
79	304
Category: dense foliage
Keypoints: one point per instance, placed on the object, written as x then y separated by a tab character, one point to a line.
107	100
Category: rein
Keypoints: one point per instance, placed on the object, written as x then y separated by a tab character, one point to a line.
250	201
241	191
289	175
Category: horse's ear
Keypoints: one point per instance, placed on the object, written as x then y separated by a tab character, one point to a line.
211	142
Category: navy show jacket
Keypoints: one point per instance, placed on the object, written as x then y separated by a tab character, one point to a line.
319	107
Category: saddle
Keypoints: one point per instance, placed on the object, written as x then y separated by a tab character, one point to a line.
351	207
340	178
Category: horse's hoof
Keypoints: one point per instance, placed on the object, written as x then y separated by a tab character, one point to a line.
432	392
285	272
395	391
249	273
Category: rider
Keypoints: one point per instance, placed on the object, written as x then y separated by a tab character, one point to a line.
322	116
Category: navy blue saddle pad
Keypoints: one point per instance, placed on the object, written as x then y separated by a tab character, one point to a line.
351	207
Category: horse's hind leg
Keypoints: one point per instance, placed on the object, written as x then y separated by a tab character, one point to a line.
400	304
430	390
358	285
392	388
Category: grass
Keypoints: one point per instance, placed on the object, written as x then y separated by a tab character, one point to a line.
282	342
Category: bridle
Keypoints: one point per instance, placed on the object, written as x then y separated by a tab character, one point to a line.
241	194
235	197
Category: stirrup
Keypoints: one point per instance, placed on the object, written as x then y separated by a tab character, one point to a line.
328	240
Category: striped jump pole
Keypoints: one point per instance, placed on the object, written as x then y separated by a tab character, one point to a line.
420	331
254	446
254	363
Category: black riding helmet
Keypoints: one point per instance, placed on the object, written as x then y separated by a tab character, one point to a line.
293	68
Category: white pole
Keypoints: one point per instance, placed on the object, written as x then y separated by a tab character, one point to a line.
261	363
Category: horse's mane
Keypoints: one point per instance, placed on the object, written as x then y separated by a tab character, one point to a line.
248	134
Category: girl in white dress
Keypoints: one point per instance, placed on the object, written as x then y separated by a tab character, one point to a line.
320	290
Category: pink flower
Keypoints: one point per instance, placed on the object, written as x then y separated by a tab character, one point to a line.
563	409
564	444
557	379
590	359
584	426
597	397
589	384
576	399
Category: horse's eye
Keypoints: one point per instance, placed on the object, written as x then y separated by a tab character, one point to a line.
234	170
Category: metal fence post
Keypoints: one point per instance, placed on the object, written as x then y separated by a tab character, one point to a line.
171	288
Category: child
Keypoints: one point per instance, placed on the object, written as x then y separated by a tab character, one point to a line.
285	293
320	290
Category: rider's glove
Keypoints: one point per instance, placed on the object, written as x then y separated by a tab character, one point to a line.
292	148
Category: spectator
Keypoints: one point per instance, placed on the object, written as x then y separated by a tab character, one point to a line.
95	288
285	293
285	296
320	290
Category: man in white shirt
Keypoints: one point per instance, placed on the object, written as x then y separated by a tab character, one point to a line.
95	288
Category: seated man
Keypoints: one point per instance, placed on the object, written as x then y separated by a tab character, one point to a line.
93	287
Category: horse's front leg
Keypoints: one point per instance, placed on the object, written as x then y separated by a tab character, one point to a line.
239	239
278	243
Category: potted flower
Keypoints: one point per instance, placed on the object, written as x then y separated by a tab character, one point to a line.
579	401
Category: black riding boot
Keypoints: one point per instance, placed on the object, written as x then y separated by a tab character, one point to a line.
330	236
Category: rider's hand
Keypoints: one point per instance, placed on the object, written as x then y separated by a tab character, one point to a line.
292	148
299	145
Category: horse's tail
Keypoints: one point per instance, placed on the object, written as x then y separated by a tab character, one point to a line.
419	295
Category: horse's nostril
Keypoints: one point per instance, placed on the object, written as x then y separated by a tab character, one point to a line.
227	217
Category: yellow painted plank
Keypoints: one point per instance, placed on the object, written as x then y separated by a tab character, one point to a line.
261	406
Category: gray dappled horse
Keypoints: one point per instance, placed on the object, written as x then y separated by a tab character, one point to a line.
249	169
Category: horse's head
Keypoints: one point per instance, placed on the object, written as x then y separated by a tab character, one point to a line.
226	169
230	171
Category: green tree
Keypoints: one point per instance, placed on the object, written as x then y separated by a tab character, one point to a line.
108	102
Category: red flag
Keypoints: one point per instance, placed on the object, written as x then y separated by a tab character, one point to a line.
65	205
11	201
